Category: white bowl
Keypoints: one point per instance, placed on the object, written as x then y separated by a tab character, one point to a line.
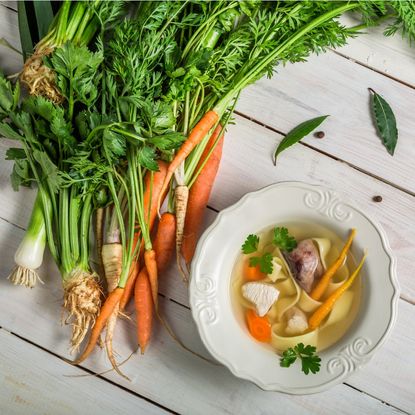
210	296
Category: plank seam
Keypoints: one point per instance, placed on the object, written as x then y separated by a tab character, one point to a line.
8	7
371	68
324	153
384	402
91	372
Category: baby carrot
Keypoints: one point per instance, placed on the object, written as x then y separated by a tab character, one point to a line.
144	309
322	285
151	268
152	194
110	304
164	241
319	315
195	137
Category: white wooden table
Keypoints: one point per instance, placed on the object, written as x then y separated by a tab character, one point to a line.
34	378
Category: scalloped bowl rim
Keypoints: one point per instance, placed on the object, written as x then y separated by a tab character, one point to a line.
215	350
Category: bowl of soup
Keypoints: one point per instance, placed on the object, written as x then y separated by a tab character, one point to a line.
293	288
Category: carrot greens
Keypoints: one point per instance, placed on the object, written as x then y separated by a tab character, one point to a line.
128	102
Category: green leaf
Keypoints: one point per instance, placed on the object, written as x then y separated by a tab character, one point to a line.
23	121
385	122
264	262
251	244
49	170
147	158
283	239
6	94
77	72
15	153
7	131
297	133
310	362
288	358
19	175
114	144
169	141
40	106
24	30
44	16
62	131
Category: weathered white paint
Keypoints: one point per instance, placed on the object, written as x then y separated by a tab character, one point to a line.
330	84
171	376
174	377
392	56
33	382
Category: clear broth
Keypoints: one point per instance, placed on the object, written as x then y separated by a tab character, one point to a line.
327	336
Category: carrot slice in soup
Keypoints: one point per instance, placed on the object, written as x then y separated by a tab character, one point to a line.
259	327
252	273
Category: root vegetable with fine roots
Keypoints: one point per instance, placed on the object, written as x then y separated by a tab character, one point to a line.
82	302
112	261
181	195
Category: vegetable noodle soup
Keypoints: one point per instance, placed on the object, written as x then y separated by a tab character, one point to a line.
296	283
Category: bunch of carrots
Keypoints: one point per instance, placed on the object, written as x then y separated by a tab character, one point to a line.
127	109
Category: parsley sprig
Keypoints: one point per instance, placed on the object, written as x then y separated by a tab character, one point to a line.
251	244
310	361
283	239
264	261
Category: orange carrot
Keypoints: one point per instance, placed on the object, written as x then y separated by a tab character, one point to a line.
253	273
259	327
199	195
195	137
151	204
129	286
164	240
319	315
144	308
322	285
151	268
108	307
150	212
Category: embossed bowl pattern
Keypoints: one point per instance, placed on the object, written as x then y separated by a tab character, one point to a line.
210	297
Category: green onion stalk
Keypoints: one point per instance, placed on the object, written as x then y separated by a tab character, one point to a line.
29	254
75	22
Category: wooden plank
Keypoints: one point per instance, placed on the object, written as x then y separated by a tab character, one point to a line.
330	84
10	4
35	315
392	56
32	382
10	61
166	374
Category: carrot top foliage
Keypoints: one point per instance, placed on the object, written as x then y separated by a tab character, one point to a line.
115	87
